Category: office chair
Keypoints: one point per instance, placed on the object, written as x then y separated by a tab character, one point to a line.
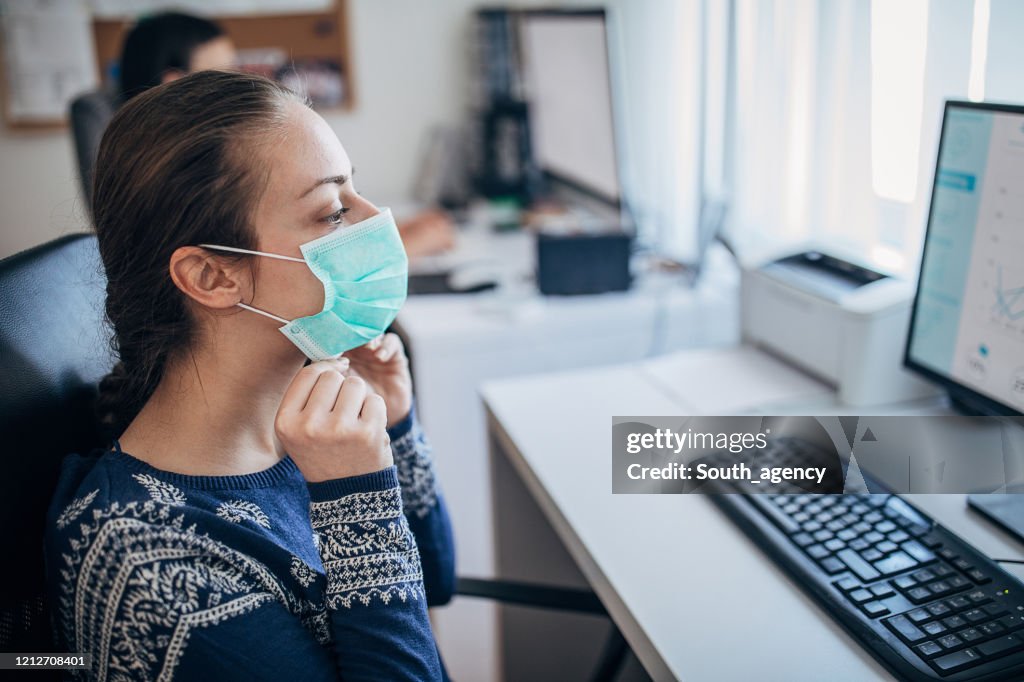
90	114
54	350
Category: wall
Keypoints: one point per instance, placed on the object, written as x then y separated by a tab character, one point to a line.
411	74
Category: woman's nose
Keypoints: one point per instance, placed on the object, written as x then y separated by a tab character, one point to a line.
361	209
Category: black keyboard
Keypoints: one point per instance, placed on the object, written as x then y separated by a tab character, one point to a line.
926	604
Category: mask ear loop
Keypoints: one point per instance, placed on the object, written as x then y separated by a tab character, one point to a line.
256	253
263	312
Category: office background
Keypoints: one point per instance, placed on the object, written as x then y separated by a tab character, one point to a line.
815	121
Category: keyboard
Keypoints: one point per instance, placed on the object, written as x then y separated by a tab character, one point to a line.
922	601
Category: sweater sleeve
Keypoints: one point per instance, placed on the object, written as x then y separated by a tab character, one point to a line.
375	595
424	507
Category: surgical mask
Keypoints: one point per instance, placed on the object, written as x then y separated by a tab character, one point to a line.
364	270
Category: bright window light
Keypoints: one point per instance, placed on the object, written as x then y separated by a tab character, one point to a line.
979	51
899	41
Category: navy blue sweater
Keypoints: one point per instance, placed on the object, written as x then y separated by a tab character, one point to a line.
252	577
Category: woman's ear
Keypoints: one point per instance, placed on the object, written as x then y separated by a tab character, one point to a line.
217	282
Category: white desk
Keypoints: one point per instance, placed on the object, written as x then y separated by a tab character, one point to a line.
695	599
459	341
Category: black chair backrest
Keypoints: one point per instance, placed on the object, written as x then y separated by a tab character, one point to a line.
89	114
54	349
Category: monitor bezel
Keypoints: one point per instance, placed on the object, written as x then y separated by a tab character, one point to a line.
613	201
965	395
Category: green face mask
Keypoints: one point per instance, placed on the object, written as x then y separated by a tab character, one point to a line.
364	271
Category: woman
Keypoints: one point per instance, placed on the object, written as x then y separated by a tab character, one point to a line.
251	521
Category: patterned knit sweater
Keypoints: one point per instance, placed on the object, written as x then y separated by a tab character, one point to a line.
164	576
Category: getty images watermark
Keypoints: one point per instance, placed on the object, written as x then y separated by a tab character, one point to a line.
817	454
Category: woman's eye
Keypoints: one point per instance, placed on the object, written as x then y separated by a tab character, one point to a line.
337	217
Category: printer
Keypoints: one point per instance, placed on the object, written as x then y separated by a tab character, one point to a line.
841	322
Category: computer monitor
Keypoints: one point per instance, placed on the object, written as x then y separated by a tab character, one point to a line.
566	73
967	325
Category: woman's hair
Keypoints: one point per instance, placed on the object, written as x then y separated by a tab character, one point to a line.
178	165
158	44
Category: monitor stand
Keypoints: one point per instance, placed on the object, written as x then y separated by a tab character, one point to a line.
1004	510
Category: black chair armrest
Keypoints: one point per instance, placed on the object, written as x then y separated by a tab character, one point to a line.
528	594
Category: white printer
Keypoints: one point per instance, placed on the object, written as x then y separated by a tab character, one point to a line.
839	321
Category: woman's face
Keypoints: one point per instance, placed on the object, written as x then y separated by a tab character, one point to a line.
309	193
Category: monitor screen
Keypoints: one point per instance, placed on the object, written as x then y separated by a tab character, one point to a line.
967	327
565	71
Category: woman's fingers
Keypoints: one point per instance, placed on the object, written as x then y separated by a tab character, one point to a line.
350	399
324	394
390	346
298	392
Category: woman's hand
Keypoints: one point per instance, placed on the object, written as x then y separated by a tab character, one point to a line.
382	362
333	425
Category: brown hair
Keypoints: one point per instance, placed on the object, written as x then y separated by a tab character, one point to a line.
175	168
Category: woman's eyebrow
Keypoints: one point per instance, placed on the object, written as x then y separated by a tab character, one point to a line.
336	179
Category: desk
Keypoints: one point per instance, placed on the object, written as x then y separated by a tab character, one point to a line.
459	341
695	599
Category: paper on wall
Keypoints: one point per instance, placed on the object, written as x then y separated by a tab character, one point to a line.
48	55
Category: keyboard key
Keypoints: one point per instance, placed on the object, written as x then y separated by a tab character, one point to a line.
948	554
950	642
871	554
848	583
783	521
882	590
863	569
918	551
919	595
835	544
923	576
940	588
898	536
859	544
963	564
847	534
832	565
818	551
942	570
958	603
935	628
954	622
904	582
995	610
938	610
958	661
902	626
895	563
975	616
803	539
1000	646
1013	622
873	537
875	609
970	635
991	629
978	576
886	546
928	649
823	535
918	616
958	582
885	527
861	595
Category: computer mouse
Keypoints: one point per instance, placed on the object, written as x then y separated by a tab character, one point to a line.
472	278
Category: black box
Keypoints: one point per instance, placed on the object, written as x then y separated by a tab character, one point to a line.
574	264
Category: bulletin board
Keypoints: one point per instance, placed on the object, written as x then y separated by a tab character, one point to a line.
309	51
